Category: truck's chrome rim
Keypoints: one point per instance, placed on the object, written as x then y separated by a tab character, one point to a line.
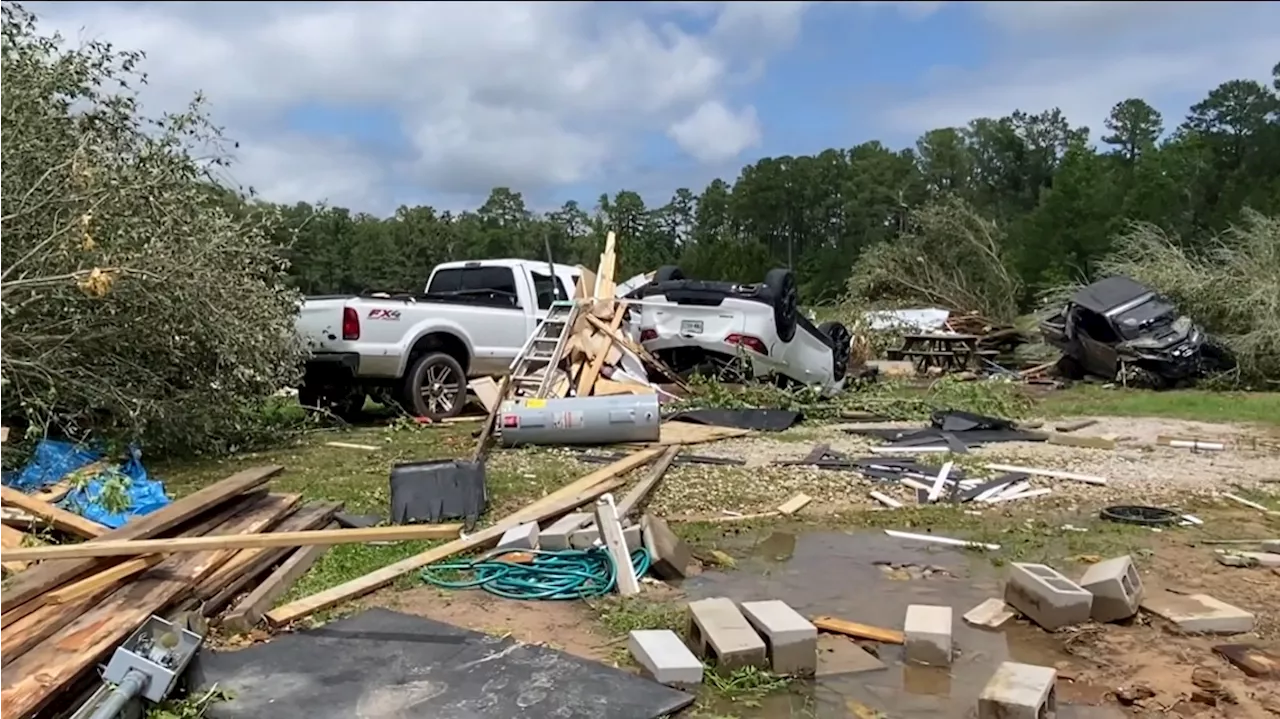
439	389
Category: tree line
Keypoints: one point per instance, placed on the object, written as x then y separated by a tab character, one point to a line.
1058	200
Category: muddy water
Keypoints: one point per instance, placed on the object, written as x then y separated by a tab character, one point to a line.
870	578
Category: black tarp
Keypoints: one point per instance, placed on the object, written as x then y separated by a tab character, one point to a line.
381	664
765	420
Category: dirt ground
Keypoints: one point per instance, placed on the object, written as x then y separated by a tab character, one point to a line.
1137	468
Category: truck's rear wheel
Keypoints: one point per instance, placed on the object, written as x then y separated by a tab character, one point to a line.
345	402
435	387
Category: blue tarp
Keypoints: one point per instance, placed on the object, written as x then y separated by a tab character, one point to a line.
54	460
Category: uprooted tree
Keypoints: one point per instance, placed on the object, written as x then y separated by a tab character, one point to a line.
949	256
141	301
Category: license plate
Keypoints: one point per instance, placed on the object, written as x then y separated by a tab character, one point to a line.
690	327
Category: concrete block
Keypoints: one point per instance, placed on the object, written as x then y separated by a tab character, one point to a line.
718	631
1046	597
556	536
1271	545
1199	613
664	658
841	655
791	640
523	537
587	536
669	555
928	635
1116	589
1262	559
1019	691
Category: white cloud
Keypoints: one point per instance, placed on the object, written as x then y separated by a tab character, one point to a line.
1083	57
532	95
713	133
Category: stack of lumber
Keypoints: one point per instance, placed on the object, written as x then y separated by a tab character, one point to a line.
72	604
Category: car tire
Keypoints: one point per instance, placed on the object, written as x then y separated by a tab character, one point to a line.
344	402
435	387
842	339
785	298
668	273
1216	357
1134	377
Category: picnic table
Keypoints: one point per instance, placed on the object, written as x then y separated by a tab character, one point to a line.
947	351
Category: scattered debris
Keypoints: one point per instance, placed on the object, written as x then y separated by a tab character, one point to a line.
991	614
1198	613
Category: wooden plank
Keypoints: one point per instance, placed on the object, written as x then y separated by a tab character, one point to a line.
646	486
248	611
563	500
11	538
59	518
486	433
232	578
54	492
795	504
398	533
49	667
91	584
588	379
858	631
50	575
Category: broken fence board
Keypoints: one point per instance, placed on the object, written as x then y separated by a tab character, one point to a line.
563	500
50	575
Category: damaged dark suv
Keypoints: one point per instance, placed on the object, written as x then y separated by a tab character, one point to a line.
1121	330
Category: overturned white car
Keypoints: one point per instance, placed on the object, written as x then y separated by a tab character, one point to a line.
738	332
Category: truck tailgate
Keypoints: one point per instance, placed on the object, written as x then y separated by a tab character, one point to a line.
319	324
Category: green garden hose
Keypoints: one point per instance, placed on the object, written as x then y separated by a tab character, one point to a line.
563	574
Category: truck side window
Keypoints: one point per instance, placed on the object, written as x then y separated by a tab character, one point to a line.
549	290
491	285
1096	326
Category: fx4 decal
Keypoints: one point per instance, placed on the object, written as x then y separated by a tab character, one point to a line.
388	315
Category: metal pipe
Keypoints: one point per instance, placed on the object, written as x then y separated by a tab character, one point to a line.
131	686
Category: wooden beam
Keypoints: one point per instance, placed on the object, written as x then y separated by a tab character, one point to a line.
644	487
486	433
563	500
59	518
51	575
248	611
131	547
588	379
222	586
91	584
11	538
51	666
836	625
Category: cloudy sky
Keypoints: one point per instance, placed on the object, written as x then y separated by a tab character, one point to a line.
374	104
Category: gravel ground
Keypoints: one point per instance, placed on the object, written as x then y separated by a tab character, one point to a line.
1138	471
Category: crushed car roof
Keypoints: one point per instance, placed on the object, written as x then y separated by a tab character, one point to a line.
1105	295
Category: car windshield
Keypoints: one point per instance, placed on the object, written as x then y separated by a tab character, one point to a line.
1152	314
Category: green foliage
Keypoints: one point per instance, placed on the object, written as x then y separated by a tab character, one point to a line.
139	300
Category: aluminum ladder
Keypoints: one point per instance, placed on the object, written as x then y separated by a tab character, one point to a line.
533	370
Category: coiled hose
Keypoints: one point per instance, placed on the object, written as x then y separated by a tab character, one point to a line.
563	574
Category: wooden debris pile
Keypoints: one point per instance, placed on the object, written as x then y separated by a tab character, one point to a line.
222	555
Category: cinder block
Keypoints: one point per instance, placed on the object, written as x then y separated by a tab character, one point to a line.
928	635
1116	589
587	536
556	536
669	555
1019	691
523	537
791	640
1045	596
1199	613
717	630
664	658
1271	545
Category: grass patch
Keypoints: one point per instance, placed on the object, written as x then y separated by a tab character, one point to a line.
1198	405
622	615
745	686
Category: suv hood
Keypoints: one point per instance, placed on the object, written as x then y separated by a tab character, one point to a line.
1179	338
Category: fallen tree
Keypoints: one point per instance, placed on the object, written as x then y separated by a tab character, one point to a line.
950	257
140	300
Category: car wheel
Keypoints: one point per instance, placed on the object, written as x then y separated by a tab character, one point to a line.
786	302
667	273
436	386
1135	377
842	339
345	402
1216	357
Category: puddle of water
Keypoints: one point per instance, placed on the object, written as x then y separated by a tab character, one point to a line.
843	575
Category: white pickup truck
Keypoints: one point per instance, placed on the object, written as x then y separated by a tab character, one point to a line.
418	350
